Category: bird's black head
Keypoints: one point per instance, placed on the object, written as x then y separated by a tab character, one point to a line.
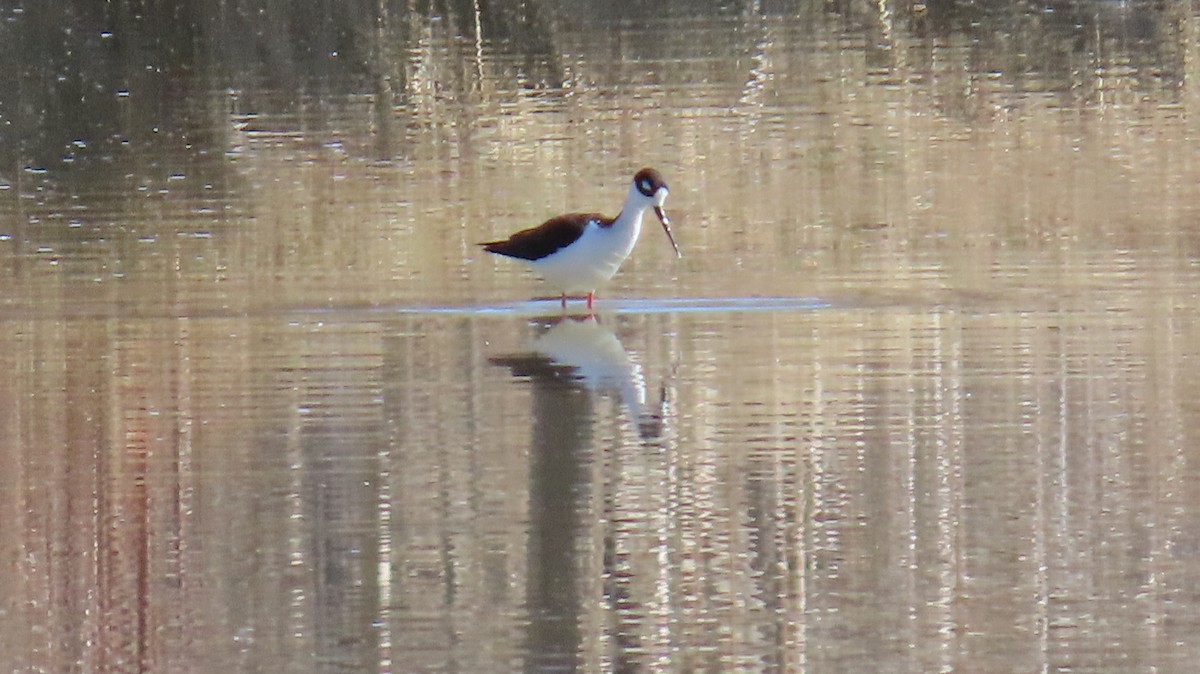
649	181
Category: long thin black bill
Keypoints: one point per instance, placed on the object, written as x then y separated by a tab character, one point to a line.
666	223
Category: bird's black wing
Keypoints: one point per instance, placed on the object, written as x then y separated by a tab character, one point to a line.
536	243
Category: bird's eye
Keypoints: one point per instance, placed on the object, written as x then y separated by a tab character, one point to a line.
645	187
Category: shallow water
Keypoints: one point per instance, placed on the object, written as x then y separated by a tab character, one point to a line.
916	398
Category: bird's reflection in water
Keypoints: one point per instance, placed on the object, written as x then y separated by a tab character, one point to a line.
583	353
573	360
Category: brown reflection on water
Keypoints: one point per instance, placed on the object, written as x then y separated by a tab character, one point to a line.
165	520
932	488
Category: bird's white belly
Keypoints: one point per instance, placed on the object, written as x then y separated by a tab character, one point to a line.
589	262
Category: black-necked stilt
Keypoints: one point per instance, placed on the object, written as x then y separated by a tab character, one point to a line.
577	252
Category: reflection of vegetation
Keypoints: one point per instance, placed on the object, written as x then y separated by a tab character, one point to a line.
1051	38
106	74
82	76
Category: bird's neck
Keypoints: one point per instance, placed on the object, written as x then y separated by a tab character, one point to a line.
630	217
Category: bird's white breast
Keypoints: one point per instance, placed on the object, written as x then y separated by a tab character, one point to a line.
592	259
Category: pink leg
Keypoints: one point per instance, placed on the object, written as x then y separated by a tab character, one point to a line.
564	300
591	296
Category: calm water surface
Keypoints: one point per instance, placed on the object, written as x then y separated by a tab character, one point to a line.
919	396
